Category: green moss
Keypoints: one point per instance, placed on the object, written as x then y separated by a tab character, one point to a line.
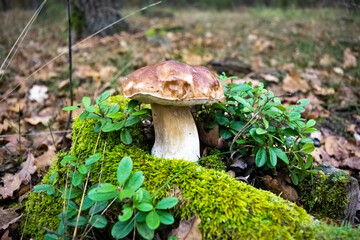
326	196
212	162
329	232
228	209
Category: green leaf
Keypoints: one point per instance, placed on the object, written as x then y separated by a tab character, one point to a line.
135	181
68	159
126	193
90	109
71	108
114	108
165	218
51	236
310	130
98	207
88	203
152	220
124	170
103	192
86	101
273	156
309	162
308	148
125	136
132	120
303	102
260	131
141	112
92	159
237	125
116	115
225	134
98	221
259	138
167	203
144	207
122	229
53	177
83	115
76	179
266	123
243	102
82	221
172	238
294	178
145	231
261	158
126	213
310	123
49	189
70	193
138	197
109	127
105	96
83	169
281	155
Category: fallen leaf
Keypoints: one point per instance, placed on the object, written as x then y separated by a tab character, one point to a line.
336	146
353	163
188	230
338	71
12	183
8	217
28	167
44	116
263	45
321	156
293	82
107	73
270	78
46	159
326	60
6	236
4	126
192	58
38	93
349	59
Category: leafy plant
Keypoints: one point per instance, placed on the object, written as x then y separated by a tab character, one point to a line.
109	117
254	122
138	207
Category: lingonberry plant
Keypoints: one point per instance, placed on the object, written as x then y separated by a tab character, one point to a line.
254	122
139	210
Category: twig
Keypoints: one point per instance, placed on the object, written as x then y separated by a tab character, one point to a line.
92	35
86	183
70	72
52	137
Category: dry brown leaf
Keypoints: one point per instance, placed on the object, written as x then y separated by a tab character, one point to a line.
338	71
326	60
107	73
6	236
263	45
8	217
321	156
270	78
293	82
86	71
336	146
188	230
4	126
46	159
192	58
28	167
353	162
349	59
11	184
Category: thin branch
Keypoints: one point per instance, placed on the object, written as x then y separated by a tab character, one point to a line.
70	72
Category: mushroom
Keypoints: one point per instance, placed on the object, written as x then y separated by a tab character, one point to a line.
171	88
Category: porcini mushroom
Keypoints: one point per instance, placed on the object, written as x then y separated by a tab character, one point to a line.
171	87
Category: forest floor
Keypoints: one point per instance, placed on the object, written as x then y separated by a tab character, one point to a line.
313	53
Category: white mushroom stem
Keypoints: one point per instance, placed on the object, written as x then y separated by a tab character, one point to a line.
176	135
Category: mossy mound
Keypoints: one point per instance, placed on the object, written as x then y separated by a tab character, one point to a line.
228	209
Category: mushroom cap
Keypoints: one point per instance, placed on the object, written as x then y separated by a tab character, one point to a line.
173	83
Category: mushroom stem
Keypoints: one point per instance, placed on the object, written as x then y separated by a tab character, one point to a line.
176	135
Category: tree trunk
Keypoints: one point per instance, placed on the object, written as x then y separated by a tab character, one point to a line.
93	15
4	6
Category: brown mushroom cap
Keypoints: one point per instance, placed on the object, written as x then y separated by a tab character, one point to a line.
173	83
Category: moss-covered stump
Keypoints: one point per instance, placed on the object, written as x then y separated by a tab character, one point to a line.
228	209
333	194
